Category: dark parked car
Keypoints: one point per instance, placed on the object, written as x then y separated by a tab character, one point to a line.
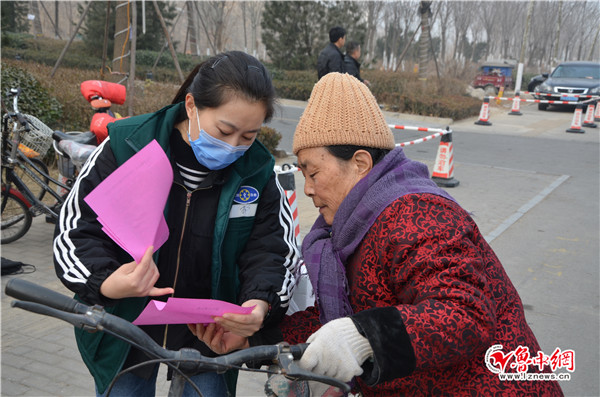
570	81
536	80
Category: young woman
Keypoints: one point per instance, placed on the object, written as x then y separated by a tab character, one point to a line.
216	249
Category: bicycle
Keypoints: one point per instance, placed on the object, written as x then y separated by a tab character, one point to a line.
25	178
40	300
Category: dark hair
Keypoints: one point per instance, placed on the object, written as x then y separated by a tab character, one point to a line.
336	33
352	46
345	152
214	81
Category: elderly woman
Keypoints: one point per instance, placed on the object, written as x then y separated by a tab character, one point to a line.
409	294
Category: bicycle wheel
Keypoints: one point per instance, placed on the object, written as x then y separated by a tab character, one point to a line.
39	169
16	218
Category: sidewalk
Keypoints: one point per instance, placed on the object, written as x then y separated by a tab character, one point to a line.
39	356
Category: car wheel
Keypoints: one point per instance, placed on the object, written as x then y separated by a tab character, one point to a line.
542	106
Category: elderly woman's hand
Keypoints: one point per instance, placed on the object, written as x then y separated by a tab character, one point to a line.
337	349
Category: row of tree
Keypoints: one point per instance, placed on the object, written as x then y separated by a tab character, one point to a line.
291	33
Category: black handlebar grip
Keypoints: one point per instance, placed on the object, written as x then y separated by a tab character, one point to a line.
298	350
23	121
25	290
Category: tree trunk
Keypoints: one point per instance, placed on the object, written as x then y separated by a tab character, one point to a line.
168	36
131	80
192	28
424	46
56	31
556	44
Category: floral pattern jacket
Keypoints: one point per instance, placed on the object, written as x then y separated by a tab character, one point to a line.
432	297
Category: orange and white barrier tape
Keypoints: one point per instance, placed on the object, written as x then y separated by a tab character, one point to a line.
561	94
290	193
424	139
424	129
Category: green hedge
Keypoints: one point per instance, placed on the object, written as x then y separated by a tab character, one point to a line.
34	99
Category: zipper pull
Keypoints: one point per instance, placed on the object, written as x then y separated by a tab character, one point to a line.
188	199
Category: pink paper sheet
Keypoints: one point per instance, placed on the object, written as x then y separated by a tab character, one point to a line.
130	201
186	311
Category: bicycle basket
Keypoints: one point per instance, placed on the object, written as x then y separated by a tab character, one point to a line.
39	137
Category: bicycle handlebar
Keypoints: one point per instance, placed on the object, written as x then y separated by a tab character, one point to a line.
41	300
28	291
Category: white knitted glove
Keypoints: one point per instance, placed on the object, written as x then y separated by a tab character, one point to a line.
337	350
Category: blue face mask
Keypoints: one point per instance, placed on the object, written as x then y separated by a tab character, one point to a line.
213	153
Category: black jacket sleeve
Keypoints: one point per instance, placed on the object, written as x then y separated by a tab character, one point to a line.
268	264
352	67
84	256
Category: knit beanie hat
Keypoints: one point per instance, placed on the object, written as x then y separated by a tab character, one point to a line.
342	111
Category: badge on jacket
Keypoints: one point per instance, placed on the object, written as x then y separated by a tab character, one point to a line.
244	202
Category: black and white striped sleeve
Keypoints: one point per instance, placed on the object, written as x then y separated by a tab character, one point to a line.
269	263
84	256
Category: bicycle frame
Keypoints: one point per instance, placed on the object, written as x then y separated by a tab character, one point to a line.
15	157
11	178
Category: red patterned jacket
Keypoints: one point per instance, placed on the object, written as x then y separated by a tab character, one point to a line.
431	296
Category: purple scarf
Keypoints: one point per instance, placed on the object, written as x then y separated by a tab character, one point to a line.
326	249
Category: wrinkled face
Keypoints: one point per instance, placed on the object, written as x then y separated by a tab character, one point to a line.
328	180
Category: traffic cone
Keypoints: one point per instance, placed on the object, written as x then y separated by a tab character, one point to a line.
588	121
516	106
576	123
484	113
443	170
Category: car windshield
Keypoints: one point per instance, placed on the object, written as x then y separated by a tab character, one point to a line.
577	71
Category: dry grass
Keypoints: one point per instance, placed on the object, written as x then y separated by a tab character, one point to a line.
149	96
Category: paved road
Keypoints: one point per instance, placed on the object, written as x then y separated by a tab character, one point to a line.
532	188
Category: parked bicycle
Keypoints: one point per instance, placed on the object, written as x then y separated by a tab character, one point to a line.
44	301
25	178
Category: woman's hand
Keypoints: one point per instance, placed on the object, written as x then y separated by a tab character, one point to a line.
245	324
231	331
134	279
217	339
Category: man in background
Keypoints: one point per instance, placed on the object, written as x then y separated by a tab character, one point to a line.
331	58
351	61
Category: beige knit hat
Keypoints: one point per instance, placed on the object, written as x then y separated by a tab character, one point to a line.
342	111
